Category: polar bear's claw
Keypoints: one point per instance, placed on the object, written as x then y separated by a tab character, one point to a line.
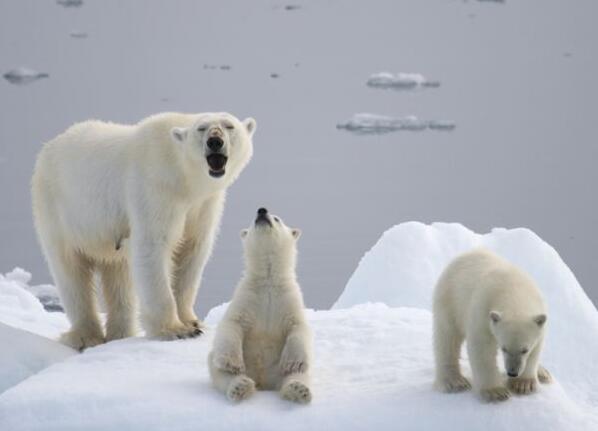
522	386
494	395
241	388
229	363
297	392
293	367
179	333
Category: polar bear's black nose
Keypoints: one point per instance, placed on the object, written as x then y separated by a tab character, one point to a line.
215	143
262	211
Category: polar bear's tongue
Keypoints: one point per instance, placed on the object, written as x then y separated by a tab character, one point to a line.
217	162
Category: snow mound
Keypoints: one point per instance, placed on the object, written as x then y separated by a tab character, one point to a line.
45	293
26	354
400	81
20	308
373	370
23	76
373	124
401	270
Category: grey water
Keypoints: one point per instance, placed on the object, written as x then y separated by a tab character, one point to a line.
518	79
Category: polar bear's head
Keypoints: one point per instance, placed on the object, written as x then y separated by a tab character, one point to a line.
516	337
219	142
270	245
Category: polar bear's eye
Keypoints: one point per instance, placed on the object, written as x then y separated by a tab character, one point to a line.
277	219
229	126
202	128
524	351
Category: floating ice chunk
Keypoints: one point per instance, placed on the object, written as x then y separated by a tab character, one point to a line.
23	76
78	35
70	3
292	7
400	81
372	124
216	66
441	125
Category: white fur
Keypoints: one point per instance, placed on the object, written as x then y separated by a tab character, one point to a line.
136	204
494	305
264	341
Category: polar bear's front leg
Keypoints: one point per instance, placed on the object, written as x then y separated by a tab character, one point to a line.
227	353
192	254
152	243
295	356
487	379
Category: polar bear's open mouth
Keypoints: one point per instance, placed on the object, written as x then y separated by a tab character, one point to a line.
217	162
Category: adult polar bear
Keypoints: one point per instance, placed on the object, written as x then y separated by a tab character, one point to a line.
138	204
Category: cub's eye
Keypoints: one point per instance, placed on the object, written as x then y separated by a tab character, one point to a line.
229	127
524	351
276	219
202	128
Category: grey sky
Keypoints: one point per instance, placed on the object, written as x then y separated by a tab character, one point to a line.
519	80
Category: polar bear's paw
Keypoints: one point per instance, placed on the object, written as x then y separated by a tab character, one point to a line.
80	340
522	385
229	363
179	332
453	384
293	367
240	388
296	391
544	375
495	395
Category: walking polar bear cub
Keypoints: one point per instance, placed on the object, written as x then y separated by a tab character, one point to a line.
494	305
263	341
137	204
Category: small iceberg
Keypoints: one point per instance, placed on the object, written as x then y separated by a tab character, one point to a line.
400	81
23	76
372	124
70	3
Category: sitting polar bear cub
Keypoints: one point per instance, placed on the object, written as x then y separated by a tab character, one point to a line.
263	339
137	204
494	305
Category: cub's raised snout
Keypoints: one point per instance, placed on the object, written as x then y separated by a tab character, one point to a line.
262	217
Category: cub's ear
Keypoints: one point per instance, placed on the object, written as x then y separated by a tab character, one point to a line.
540	319
495	316
244	233
250	125
179	134
296	233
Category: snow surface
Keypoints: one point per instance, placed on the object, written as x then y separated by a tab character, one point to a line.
373	362
372	124
400	81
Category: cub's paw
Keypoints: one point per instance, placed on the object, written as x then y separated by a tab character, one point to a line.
293	367
178	332
297	392
229	363
522	385
495	395
453	384
544	375
240	388
80	340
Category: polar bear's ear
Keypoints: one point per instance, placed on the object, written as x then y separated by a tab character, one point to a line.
250	125
296	233
540	319
179	134
244	233
495	316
